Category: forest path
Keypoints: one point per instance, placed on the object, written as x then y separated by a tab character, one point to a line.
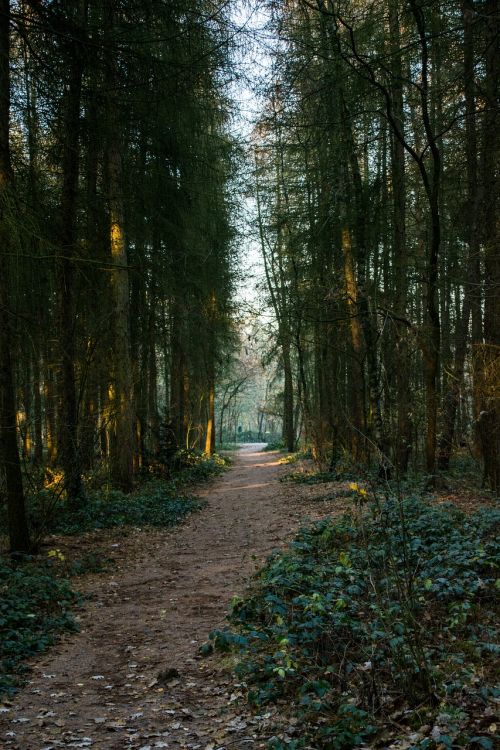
101	687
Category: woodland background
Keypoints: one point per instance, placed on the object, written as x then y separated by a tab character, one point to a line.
371	180
360	337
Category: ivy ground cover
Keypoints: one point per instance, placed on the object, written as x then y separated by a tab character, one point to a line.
377	628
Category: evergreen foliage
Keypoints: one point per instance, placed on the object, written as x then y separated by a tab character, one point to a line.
121	255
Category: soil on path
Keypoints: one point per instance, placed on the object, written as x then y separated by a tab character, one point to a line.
132	677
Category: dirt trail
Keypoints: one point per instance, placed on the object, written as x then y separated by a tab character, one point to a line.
101	687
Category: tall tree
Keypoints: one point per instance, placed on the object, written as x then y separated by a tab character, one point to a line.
69	134
381	106
122	447
18	527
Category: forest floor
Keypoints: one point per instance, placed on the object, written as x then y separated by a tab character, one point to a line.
133	677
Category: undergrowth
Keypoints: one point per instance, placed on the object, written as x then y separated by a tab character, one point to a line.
275	445
155	503
379	625
35	607
197	467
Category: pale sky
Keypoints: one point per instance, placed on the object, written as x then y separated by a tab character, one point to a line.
253	64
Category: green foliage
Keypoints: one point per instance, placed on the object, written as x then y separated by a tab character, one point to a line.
156	504
186	466
313	477
275	445
349	728
197	467
343	470
294	458
34	608
389	605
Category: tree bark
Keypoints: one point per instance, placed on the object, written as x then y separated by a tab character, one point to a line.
489	417
37	408
403	443
19	539
452	396
357	382
210	433
122	448
177	374
69	453
288	411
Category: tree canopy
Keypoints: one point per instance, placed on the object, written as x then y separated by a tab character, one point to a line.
371	178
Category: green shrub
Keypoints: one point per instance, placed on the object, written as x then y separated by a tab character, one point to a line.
156	502
369	611
155	505
35	607
197	467
275	445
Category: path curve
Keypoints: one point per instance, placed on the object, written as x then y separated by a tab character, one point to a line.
114	685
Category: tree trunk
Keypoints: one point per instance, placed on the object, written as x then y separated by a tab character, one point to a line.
489	418
37	408
9	452
432	185
152	395
403	443
210	434
356	381
177	367
452	397
28	411
288	422
121	406
69	454
96	248
122	444
380	437
50	411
